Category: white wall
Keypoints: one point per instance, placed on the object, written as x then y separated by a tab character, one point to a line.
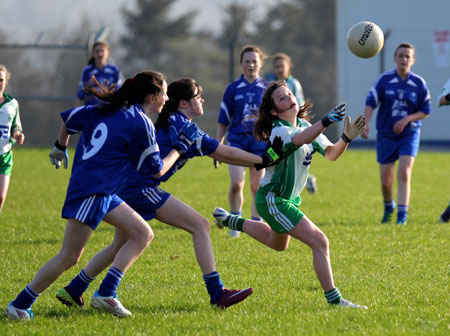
414	21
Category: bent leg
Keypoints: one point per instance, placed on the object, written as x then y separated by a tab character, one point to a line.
133	226
105	257
255	177
307	232
176	213
75	238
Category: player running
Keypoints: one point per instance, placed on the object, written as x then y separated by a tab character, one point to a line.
114	138
404	100
143	194
278	197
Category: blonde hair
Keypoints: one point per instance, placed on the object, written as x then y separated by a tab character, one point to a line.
7	74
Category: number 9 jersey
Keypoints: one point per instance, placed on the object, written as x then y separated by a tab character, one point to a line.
110	144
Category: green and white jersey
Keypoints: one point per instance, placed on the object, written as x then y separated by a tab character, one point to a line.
9	122
288	178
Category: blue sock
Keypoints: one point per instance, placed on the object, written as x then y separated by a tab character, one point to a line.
402	212
214	285
237	213
109	285
389	206
26	298
79	284
259	219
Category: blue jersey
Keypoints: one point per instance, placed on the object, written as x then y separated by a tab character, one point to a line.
240	103
108	74
397	99
108	147
204	145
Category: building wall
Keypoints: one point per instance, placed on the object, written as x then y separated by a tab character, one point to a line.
425	24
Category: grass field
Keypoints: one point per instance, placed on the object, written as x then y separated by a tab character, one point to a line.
401	273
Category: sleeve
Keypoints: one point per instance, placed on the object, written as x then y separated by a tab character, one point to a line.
321	143
75	119
425	103
205	144
145	151
80	93
226	107
445	90
16	123
118	80
373	97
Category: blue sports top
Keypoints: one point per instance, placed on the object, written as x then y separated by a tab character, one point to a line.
240	103
108	147
109	73
397	99
204	145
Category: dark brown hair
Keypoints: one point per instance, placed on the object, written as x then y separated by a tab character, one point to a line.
181	89
133	90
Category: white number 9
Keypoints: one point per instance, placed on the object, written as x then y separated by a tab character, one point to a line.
98	139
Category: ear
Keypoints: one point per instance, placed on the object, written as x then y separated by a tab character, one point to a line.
183	104
273	112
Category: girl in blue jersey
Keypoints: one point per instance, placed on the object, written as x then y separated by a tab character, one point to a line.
238	113
104	73
10	133
114	138
404	100
143	194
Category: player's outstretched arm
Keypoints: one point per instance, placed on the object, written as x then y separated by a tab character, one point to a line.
311	133
239	157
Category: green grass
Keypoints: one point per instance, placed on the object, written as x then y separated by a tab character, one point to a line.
401	273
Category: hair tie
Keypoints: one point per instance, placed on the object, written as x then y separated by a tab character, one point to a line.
132	79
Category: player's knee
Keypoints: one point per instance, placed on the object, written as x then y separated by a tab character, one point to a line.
236	186
321	241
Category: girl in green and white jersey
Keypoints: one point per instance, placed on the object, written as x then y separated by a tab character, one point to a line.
278	197
10	132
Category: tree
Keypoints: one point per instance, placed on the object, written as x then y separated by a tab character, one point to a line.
150	32
234	21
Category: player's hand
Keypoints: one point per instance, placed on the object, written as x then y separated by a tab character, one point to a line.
19	137
186	137
58	154
353	129
400	125
273	154
365	132
335	115
216	163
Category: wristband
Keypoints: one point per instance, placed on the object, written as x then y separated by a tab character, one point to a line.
345	138
60	147
272	154
326	122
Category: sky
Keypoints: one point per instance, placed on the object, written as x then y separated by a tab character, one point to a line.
25	20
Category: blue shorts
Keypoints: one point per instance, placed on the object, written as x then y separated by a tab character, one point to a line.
145	201
389	149
247	142
92	209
